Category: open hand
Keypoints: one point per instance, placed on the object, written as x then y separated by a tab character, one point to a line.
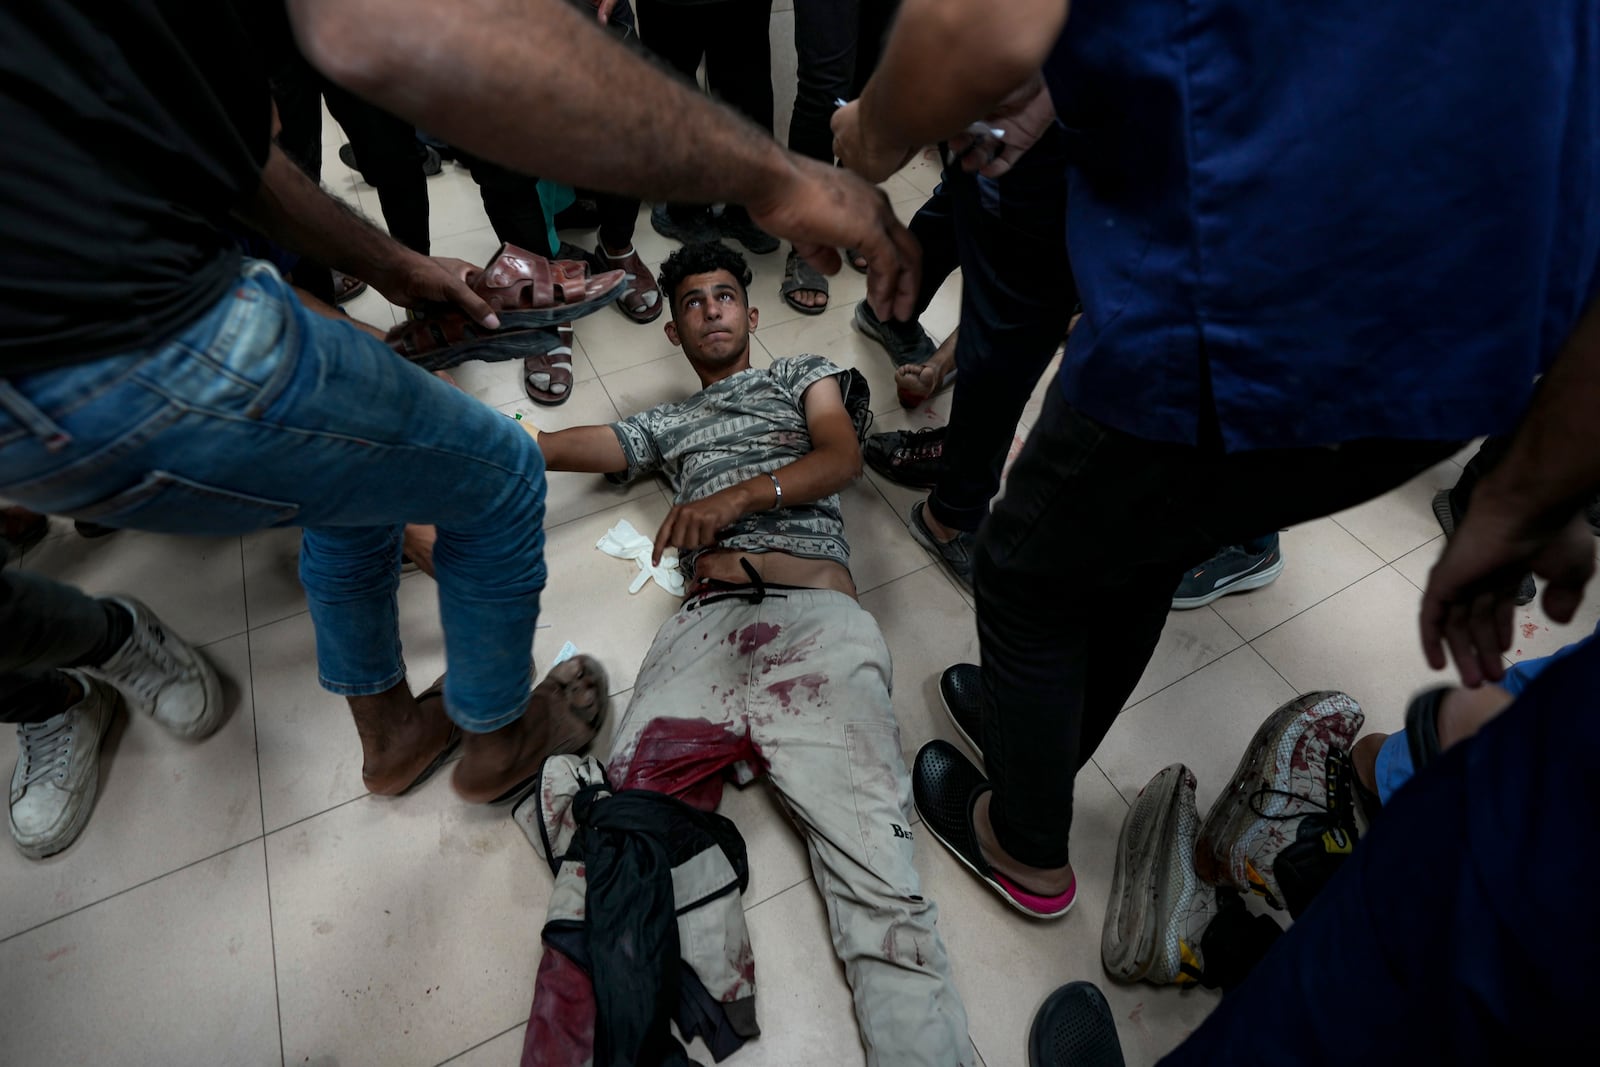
697	523
419	280
1469	604
1025	114
822	209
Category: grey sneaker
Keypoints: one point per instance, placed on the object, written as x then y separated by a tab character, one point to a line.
58	770
955	554
1159	909
160	675
906	342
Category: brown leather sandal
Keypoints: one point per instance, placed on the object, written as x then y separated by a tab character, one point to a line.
547	376
641	299
527	291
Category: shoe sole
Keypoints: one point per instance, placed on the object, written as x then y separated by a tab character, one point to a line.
1153	883
1232	826
91	793
927	541
1243	585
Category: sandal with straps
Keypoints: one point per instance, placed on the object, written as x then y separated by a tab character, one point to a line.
528	292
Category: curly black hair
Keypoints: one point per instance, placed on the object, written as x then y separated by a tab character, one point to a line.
702	258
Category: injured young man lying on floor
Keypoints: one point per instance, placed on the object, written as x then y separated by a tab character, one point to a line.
770	668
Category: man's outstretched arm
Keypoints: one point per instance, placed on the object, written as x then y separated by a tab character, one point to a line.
539	87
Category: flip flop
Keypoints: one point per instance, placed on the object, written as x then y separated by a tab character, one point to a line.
452	743
580	739
547	375
850	257
946	786
798	275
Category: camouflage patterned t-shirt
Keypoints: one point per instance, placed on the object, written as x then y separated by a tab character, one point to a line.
732	430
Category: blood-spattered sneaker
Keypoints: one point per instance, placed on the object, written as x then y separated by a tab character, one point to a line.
57	776
1283	782
1159	908
907	457
161	676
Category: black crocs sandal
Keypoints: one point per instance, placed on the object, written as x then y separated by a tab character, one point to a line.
960	688
1074	1028
1422	727
945	785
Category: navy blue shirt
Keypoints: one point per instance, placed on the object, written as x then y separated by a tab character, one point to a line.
1329	221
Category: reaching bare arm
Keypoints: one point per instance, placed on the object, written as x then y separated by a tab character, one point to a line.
293	210
540	87
592	449
833	463
1526	514
946	63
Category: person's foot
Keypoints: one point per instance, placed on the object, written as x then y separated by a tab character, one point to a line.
1235	569
346	287
404	738
1158	909
1074	1027
162	676
685	223
641	300
961	689
1448	510
952	797
912	458
1286	819
906	342
57	776
952	547
563	715
733	223
803	288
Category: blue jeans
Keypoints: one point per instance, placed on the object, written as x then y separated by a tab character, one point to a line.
264	414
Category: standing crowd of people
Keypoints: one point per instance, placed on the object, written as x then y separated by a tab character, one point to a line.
1283	267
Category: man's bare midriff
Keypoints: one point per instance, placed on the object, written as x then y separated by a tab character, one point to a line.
778	568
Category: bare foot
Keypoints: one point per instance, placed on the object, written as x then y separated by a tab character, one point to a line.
1041	881
399	737
917	382
811	298
563	715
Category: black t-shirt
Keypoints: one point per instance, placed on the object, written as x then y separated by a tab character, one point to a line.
132	129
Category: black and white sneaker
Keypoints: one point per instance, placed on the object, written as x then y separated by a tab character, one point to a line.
906	342
913	458
1235	569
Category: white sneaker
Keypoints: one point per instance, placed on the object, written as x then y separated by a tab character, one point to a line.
58	771
160	675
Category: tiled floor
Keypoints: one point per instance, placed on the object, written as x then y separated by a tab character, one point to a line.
241	901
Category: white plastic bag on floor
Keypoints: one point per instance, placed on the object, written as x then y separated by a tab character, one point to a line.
624	542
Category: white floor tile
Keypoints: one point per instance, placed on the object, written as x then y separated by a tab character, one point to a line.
928	627
1189	641
1364	641
1319	559
178	970
1401	519
572	495
1415	565
163	803
665	380
832	335
406	929
272	575
502	1051
195	584
881	547
1205	721
454	204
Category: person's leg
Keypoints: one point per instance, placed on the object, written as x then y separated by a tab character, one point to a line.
934	227
820	713
1017	296
739	57
1458	917
825	39
271	415
47	625
386	149
1087	528
512	202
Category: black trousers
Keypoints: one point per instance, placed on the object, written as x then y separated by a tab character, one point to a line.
837	44
731	36
1017	296
45	625
934	227
1074	574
